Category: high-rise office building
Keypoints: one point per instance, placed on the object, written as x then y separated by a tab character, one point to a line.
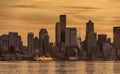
102	38
45	45
89	27
13	40
5	41
43	42
109	40
63	27
58	34
1	45
107	50
91	41
63	22
116	40
70	37
36	43
20	42
31	42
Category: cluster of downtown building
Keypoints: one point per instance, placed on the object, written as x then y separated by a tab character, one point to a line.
67	45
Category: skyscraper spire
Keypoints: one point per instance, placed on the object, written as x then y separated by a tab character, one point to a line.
90	21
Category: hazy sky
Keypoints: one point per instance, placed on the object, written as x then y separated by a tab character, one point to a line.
26	16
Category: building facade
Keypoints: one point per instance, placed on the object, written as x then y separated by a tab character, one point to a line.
116	40
70	37
14	40
43	42
63	27
58	34
91	40
30	42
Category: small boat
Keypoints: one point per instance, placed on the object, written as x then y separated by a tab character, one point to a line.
43	58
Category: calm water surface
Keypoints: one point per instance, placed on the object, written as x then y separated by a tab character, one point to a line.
72	67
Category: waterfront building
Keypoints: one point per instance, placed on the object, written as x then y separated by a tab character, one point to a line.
36	43
4	41
70	37
63	27
102	38
116	40
58	34
13	40
91	40
107	51
43	41
30	42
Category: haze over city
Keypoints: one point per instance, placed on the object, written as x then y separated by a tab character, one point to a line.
32	15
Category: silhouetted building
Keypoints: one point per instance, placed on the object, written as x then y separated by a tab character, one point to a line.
58	34
91	41
109	40
63	47
50	49
36	43
4	41
70	37
43	41
102	38
1	45
13	40
30	42
116	40
107	50
20	42
63	27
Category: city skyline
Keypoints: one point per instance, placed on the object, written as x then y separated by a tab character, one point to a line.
78	32
30	16
67	45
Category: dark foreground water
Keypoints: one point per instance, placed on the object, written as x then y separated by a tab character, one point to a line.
72	67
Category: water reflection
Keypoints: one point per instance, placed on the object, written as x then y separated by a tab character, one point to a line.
41	68
73	67
116	68
104	67
89	67
67	67
99	67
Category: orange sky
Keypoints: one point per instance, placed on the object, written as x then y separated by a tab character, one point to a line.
32	15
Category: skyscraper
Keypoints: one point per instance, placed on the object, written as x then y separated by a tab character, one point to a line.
116	39
36	43
43	41
31	42
102	38
63	27
58	34
4	40
109	40
13	40
89	27
20	42
107	50
1	45
91	41
70	37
